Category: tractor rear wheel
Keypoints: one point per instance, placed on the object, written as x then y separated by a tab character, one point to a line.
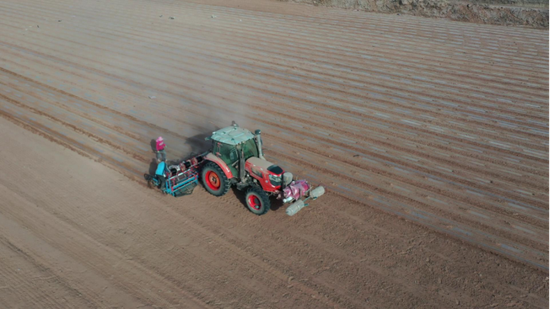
257	201
214	180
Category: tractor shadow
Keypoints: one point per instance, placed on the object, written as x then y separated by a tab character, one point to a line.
196	144
152	171
153	164
153	167
241	196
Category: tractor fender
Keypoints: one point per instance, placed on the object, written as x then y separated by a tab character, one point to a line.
220	163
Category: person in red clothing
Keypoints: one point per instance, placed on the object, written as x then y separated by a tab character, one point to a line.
161	161
161	153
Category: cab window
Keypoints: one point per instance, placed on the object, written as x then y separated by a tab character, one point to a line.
228	154
250	149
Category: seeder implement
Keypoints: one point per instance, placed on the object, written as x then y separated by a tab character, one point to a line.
177	179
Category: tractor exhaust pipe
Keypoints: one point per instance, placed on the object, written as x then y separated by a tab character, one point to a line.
241	164
257	134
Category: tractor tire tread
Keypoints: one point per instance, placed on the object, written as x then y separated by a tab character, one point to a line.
225	183
264	198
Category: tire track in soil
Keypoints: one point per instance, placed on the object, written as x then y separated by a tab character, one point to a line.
92	259
470	111
76	129
73	144
410	202
363	150
39	299
297	242
201	231
511	216
262	35
192	228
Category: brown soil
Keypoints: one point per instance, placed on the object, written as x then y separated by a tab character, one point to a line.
431	137
531	13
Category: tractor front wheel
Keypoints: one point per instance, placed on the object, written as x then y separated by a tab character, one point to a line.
257	201
214	180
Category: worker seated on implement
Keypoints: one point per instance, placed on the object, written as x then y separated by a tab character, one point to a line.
161	174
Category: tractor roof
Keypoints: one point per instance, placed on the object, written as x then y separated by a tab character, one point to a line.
233	135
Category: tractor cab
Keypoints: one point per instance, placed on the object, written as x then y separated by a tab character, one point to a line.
232	142
241	151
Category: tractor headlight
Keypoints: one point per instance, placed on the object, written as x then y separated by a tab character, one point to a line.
275	180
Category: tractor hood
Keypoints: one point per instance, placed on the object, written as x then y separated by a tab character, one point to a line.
266	173
263	165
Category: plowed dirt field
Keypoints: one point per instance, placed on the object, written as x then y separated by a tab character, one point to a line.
431	137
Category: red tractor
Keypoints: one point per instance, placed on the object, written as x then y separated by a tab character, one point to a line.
236	159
